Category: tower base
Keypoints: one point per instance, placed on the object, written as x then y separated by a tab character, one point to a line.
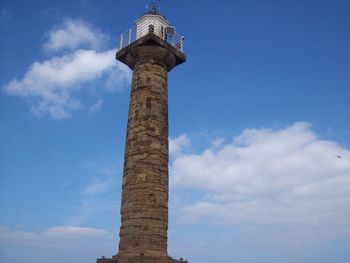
140	259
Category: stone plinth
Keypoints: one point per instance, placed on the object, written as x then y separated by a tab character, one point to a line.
140	259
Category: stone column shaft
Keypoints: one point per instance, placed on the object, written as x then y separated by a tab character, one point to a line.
144	210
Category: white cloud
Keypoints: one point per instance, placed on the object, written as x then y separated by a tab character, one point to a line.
72	34
176	145
52	83
269	177
96	107
54	86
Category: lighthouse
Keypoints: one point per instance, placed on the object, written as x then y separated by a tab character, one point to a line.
151	49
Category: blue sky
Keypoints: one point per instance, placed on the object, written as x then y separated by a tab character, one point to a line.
259	130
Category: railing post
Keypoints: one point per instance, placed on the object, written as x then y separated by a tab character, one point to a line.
121	42
129	36
182	43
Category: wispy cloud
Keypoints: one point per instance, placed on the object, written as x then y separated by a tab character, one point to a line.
61	232
269	177
56	244
54	86
218	142
97	106
73	34
100	184
51	235
5	16
100	194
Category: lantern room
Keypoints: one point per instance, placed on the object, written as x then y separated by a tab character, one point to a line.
152	23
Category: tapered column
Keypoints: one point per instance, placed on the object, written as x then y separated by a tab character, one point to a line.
144	209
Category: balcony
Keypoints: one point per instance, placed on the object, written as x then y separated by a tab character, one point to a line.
167	34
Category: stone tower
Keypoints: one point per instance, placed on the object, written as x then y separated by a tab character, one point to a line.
151	49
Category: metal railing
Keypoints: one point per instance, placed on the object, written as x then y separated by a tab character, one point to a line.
136	32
